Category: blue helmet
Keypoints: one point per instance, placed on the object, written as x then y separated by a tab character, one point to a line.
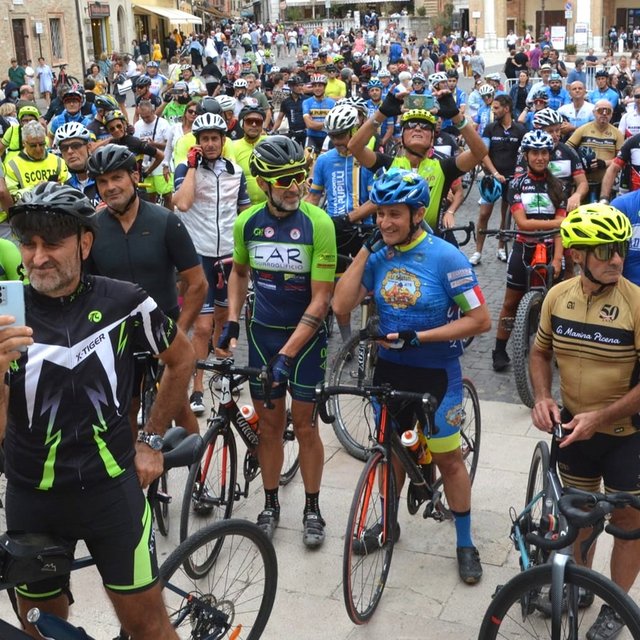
399	186
374	83
490	189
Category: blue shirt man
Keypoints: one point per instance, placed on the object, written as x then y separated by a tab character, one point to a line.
629	204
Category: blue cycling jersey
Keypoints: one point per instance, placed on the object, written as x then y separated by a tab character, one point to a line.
418	287
629	204
65	117
318	110
346	184
483	117
387	122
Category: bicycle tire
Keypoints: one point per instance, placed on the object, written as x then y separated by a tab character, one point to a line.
291	462
538	484
468	181
364	576
161	508
353	415
509	225
220	462
505	618
524	331
241	584
470	437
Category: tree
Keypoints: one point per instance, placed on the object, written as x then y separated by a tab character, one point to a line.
443	23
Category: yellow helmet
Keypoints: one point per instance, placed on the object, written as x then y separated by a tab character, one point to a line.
593	224
418	114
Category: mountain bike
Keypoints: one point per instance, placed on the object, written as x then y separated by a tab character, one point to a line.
372	525
554	598
212	488
540	278
232	602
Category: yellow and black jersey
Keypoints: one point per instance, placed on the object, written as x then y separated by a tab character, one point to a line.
596	341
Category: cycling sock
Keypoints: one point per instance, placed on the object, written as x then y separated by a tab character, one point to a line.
463	528
311	502
345	331
271	499
501	345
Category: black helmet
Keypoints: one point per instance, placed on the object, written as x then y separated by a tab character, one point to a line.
209	105
143	81
50	200
452	73
295	80
106	102
247	109
277	156
110	158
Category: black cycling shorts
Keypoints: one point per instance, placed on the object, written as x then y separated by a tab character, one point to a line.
519	258
614	459
114	520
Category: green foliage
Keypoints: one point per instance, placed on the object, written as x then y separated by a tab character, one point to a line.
570	49
443	22
422	11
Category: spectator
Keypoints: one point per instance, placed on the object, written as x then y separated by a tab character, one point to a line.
16	73
577	74
45	80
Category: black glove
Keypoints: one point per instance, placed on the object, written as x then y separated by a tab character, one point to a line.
280	367
410	339
374	242
342	223
230	330
601	164
448	106
53	178
391	107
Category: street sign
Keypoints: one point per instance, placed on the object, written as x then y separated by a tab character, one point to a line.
568	15
568	6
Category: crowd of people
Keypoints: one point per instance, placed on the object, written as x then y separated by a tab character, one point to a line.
225	155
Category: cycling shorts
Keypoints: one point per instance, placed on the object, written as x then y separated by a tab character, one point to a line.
444	384
308	368
316	143
159	185
217	279
519	258
114	520
614	459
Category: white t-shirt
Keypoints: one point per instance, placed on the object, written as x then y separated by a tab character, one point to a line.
156	131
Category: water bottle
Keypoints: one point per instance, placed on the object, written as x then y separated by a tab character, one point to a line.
247	420
411	440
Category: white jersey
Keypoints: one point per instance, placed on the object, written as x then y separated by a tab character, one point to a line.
156	131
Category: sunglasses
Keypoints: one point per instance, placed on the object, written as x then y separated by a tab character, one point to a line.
603	111
605	252
254	122
636	97
285	182
425	126
73	146
115	127
192	111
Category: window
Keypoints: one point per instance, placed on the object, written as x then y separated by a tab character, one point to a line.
57	48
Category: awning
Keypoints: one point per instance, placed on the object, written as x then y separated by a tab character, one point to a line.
174	16
216	13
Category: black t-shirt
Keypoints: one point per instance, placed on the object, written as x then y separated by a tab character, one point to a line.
156	101
292	109
137	146
521	60
504	145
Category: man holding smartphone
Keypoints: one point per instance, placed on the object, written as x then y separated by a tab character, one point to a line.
72	467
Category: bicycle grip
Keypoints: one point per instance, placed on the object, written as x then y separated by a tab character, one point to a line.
623	534
572	506
321	405
553	544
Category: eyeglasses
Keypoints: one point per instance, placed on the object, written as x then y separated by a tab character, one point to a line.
636	97
254	122
36	144
192	111
115	127
605	252
603	111
285	182
73	146
415	124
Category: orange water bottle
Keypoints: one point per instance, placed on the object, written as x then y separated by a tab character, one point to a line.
411	440
247	421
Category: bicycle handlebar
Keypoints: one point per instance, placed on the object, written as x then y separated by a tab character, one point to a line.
469	230
512	233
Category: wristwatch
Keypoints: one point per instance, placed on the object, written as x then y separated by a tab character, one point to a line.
153	440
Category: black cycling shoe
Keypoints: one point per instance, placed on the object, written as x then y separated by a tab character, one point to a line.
501	360
313	534
607	626
268	521
371	540
469	566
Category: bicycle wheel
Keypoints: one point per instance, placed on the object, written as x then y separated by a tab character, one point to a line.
522	337
505	617
353	366
210	490
509	225
365	564
538	499
290	444
468	180
161	506
239	590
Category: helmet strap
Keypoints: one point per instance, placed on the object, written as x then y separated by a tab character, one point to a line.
589	275
272	203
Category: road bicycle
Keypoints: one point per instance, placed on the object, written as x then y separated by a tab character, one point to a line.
233	601
212	488
553	597
63	79
540	278
373	518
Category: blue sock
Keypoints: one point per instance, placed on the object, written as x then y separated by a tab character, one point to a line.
463	528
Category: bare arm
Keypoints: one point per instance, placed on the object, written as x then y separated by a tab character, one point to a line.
358	143
237	292
609	178
582	188
193	296
545	410
5	197
311	123
349	291
524	224
477	149
185	196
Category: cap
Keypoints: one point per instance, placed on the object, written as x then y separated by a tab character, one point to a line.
545	67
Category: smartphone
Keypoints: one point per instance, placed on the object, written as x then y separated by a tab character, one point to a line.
12	302
417	101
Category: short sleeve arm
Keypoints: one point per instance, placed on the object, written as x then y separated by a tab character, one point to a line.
240	251
323	266
243	195
180	245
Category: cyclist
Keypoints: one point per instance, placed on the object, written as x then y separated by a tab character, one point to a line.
73	470
589	329
142	89
210	191
72	141
143	243
227	105
627	161
460	98
502	137
428	300
11	142
291	108
96	127
289	338
72	101
418	131
176	102
484	113
385	133
314	111
537	203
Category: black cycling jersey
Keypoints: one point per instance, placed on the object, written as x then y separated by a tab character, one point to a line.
445	144
504	145
137	146
149	253
67	419
292	109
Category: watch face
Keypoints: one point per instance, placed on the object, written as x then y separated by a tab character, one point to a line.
155	442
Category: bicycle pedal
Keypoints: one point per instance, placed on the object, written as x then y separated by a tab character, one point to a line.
165	498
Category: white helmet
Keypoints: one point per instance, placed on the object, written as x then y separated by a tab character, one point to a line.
546	118
436	78
227	103
341	118
493	76
209	122
71	130
384	73
240	83
318	78
275	70
486	90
